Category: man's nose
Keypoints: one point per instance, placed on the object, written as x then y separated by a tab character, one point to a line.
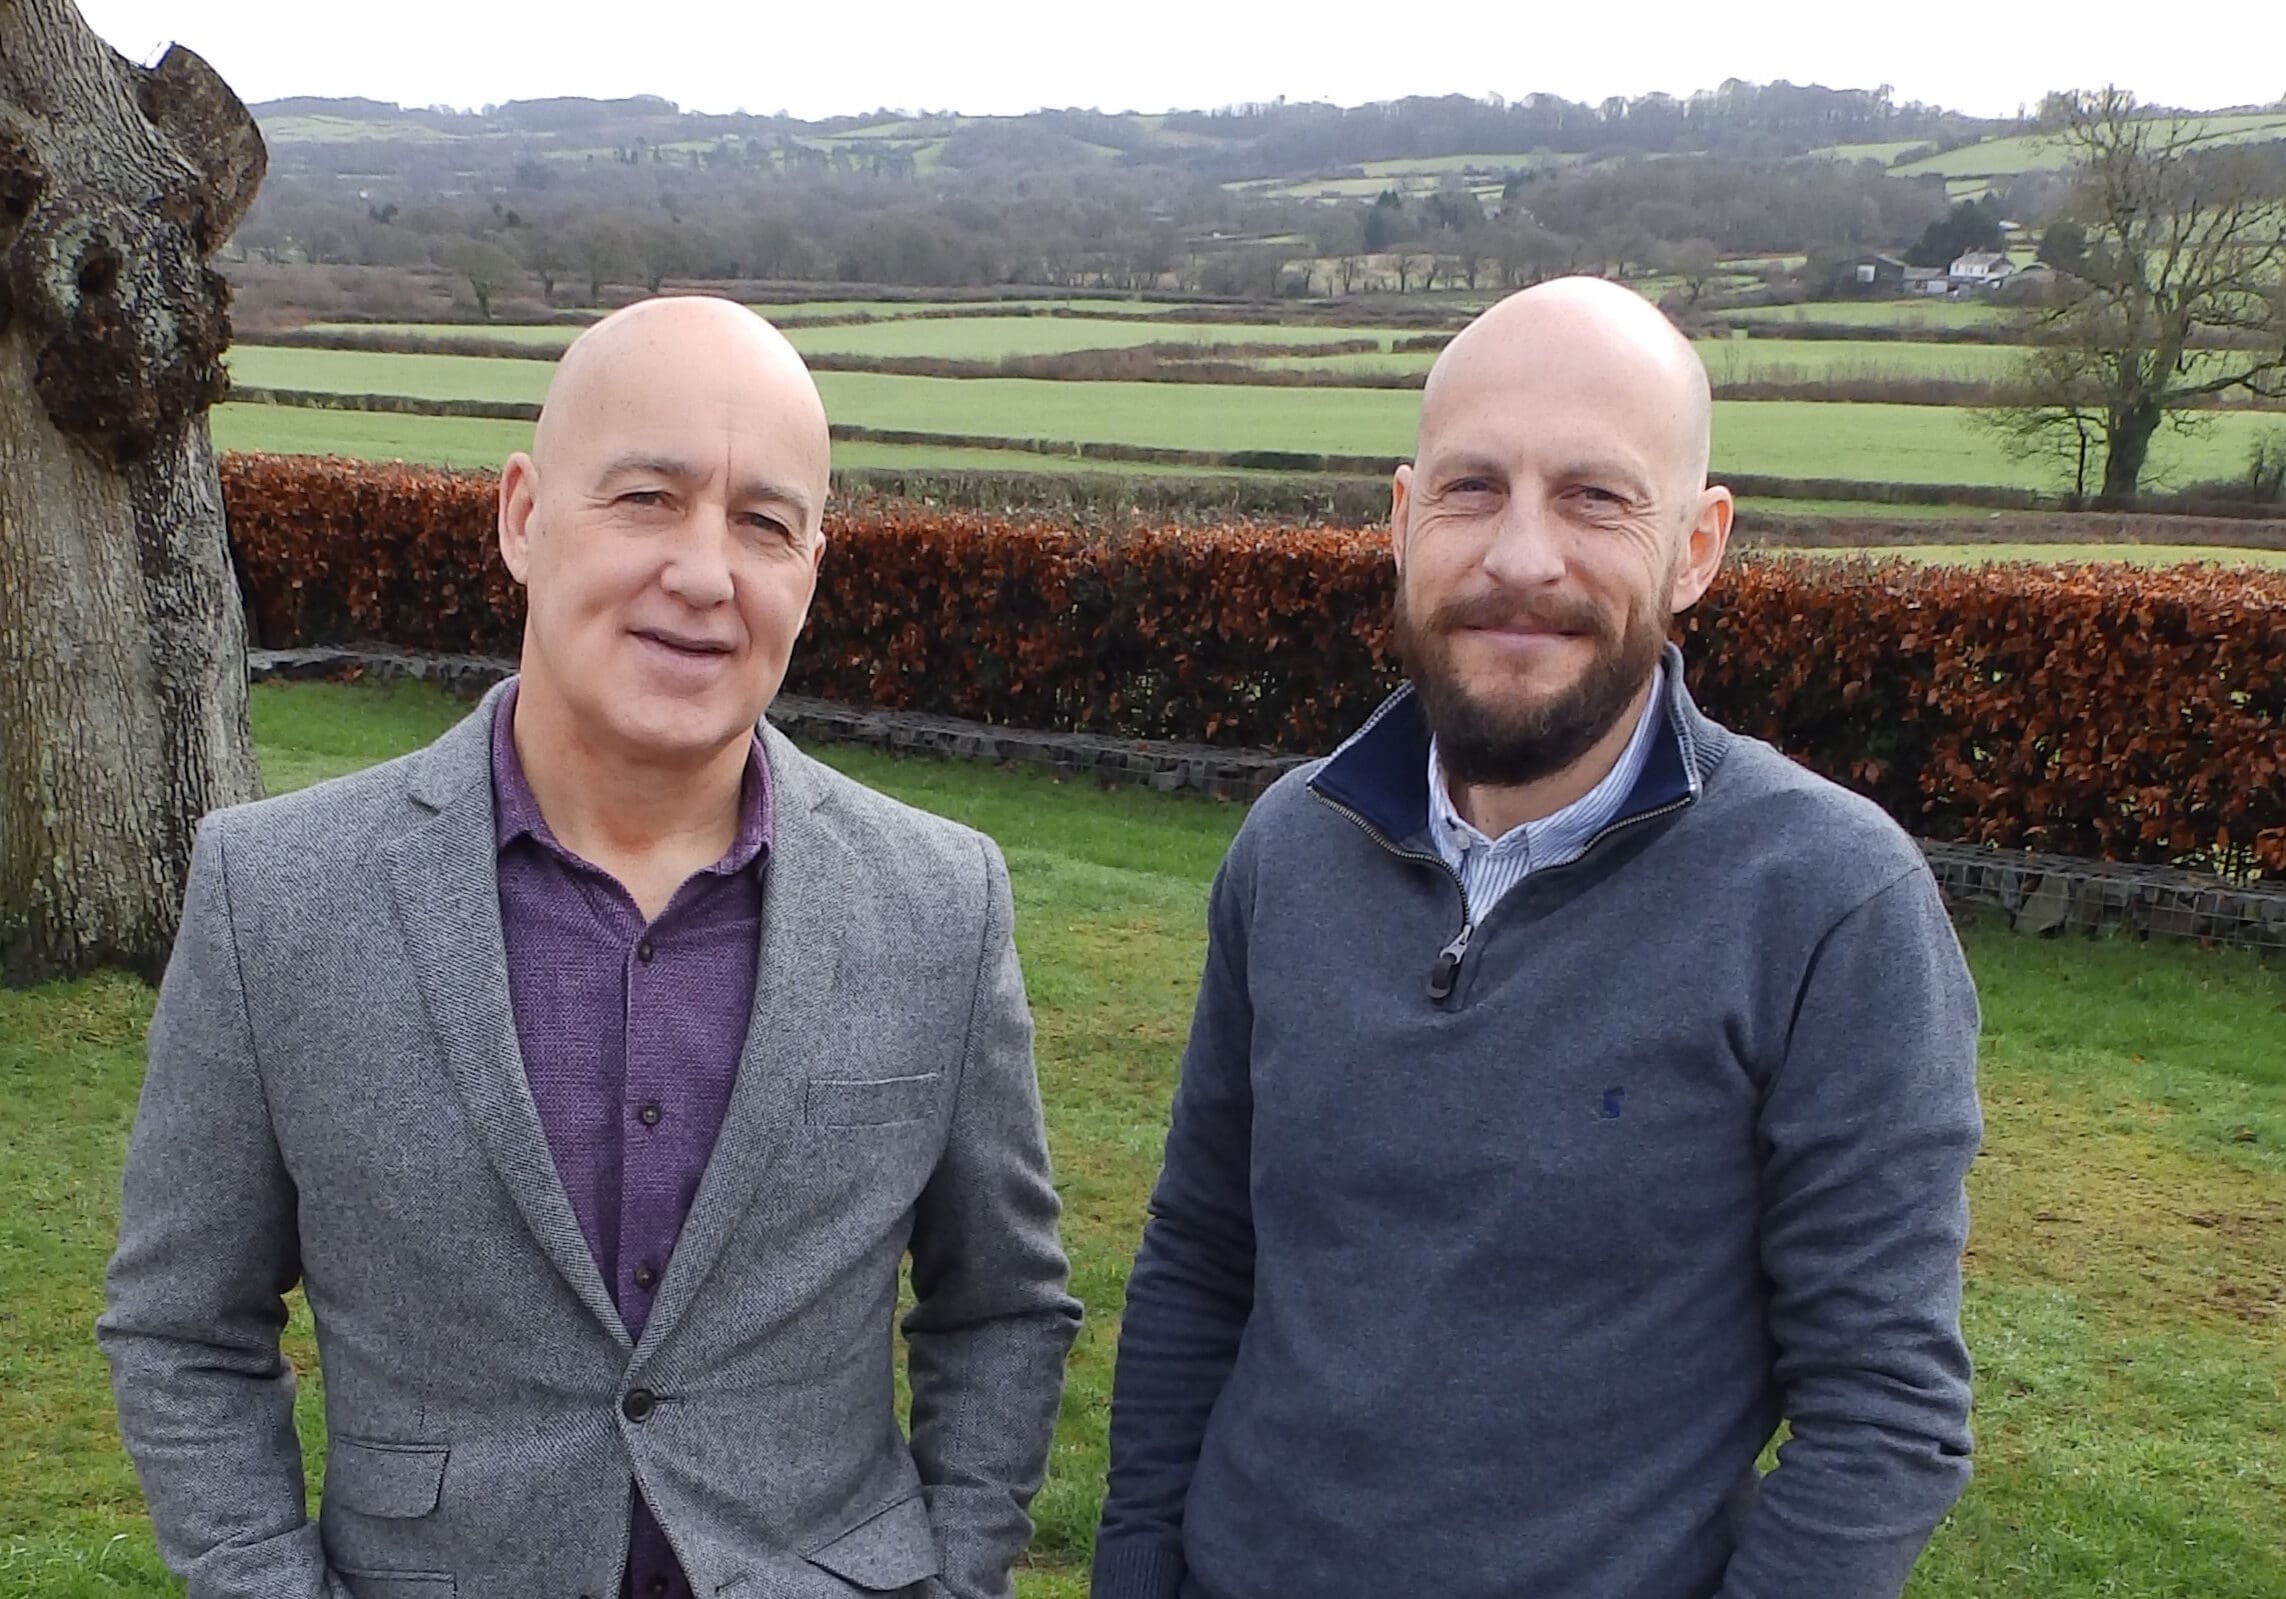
698	570
1527	548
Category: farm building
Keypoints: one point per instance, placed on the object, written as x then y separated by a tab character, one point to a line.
1980	269
1872	274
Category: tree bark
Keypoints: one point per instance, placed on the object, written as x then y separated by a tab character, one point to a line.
122	645
2130	447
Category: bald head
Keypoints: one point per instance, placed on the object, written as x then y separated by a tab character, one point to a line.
1577	340
667	527
711	360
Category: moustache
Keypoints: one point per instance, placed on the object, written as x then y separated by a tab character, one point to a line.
1501	611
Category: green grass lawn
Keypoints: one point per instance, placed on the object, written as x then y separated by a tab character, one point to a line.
2127	1273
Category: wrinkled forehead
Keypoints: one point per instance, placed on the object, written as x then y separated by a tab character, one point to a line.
663	398
1525	394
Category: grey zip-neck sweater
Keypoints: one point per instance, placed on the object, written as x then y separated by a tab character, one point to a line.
1486	1259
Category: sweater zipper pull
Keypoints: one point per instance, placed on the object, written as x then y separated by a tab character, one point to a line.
1447	970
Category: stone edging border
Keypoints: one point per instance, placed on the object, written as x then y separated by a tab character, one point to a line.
2038	894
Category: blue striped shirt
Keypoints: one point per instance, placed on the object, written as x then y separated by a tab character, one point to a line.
1489	868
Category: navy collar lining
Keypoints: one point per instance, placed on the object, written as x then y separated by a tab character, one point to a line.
1381	771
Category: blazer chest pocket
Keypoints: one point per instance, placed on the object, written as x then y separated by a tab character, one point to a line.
881	1102
393	1482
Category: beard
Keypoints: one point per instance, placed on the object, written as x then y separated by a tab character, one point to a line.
1513	740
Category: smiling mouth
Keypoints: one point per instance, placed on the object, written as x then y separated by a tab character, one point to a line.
695	647
1524	630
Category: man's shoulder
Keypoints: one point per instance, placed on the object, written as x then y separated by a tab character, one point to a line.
340	816
1805	828
901	838
1288	812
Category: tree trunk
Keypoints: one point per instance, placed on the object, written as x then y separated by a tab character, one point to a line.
122	647
2129	447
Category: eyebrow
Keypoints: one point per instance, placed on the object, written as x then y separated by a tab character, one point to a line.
1609	470
677	470
1469	464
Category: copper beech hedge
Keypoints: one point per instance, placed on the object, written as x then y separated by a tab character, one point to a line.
2111	711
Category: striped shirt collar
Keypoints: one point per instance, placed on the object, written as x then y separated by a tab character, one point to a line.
1553	840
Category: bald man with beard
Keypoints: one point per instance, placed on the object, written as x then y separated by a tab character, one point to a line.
1577	1091
593	1071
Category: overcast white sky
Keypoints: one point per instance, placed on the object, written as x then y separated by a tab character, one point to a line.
815	59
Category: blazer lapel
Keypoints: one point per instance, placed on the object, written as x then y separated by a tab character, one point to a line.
447	884
796	994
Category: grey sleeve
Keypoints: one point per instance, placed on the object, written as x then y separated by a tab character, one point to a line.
194	1296
993	1320
1867	1128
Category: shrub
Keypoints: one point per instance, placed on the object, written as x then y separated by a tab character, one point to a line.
2096	710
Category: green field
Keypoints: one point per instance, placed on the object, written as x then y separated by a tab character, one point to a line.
346	130
2124	1275
482	444
1765	359
996	338
555	336
2042	152
1881	152
1790	438
1913	313
433	377
2060	554
1827	360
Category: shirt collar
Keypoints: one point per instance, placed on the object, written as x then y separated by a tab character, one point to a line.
1455	834
516	810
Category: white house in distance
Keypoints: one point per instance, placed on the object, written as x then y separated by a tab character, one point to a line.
1980	269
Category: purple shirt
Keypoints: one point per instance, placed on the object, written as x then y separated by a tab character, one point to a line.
631	1036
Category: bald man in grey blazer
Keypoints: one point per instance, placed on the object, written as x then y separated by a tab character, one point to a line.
593	1071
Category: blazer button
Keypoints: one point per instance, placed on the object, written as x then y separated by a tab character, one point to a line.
638	1404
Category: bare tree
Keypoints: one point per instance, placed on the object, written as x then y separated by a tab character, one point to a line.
605	252
547	254
1695	262
2048	410
2179	298
489	270
122	646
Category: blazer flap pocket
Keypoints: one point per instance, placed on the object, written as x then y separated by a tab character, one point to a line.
893	1549
397	1584
378	1479
874	1103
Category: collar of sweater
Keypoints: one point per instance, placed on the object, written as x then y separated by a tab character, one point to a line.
1381	772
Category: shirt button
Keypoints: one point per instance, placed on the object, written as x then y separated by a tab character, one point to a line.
638	1404
645	1276
644	952
655	1587
648	1115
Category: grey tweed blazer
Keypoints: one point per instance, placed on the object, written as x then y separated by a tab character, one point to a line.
335	1098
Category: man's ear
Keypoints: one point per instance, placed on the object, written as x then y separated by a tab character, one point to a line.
1400	509
1702	554
519	488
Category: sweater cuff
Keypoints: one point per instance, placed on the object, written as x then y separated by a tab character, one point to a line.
1136	1568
